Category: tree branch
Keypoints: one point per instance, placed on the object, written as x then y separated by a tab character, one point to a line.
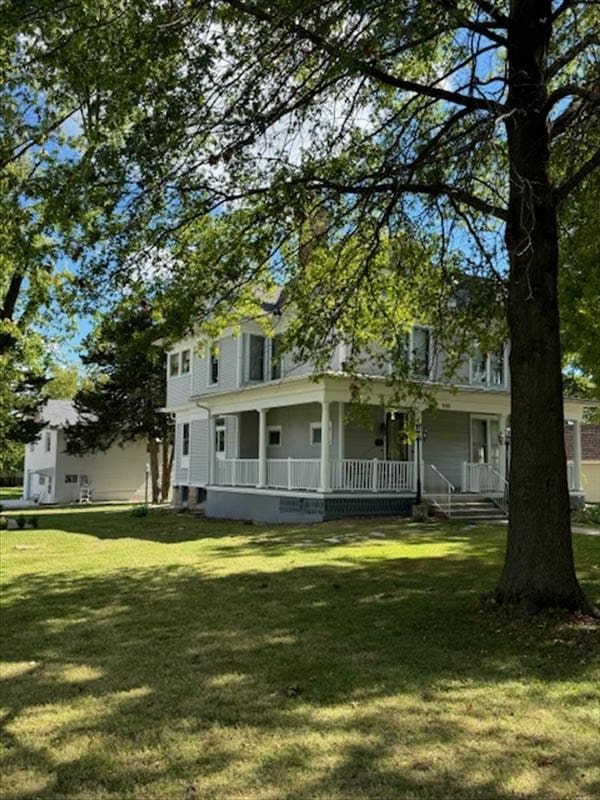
591	37
365	67
429	189
578	177
570	90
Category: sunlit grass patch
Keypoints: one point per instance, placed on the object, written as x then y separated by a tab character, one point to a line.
177	657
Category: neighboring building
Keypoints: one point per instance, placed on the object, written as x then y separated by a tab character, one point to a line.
589	457
249	432
53	476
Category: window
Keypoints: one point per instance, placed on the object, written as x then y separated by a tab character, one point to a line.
276	358
213	367
71	478
185	362
42	480
256	358
220	438
420	352
412	350
315	433
274	436
487	369
185	439
48	442
497	368
173	365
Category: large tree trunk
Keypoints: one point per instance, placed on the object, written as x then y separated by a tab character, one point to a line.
539	570
153	458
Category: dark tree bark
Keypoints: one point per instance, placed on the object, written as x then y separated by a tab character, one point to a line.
154	469
539	568
167	466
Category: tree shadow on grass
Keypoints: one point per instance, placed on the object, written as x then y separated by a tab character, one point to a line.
318	681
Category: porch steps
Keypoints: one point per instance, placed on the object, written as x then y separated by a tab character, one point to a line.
474	508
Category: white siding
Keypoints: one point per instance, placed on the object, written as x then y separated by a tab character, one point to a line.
119	473
199	452
178	391
447	443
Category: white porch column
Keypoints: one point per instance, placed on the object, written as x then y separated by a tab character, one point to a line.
502	452
341	432
577	456
325	448
212	436
262	446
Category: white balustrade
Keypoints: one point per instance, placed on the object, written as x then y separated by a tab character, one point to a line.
349	475
483	479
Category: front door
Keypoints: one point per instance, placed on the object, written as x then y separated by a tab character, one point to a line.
396	444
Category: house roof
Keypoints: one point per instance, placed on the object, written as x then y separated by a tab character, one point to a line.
59	413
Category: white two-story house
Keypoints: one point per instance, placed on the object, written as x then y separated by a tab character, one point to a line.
257	437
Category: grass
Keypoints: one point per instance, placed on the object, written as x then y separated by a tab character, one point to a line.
11	493
172	657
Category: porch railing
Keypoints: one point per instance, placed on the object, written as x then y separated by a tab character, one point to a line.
483	479
236	472
350	475
361	475
438	489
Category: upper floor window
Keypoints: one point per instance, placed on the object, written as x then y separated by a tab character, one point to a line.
179	363
414	350
256	358
276	355
173	365
487	369
185	362
419	352
213	367
185	439
48	443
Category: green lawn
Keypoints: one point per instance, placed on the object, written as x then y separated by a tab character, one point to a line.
11	493
173	657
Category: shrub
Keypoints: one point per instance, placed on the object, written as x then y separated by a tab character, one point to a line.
3	523
593	514
21	522
140	511
33	521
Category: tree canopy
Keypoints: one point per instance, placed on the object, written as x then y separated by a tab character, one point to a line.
122	399
459	129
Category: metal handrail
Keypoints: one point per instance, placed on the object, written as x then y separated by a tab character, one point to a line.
443	500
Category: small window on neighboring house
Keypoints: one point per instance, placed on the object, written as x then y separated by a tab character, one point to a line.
256	358
41	480
274	436
213	367
48	441
185	439
173	365
276	358
185	362
71	478
220	437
